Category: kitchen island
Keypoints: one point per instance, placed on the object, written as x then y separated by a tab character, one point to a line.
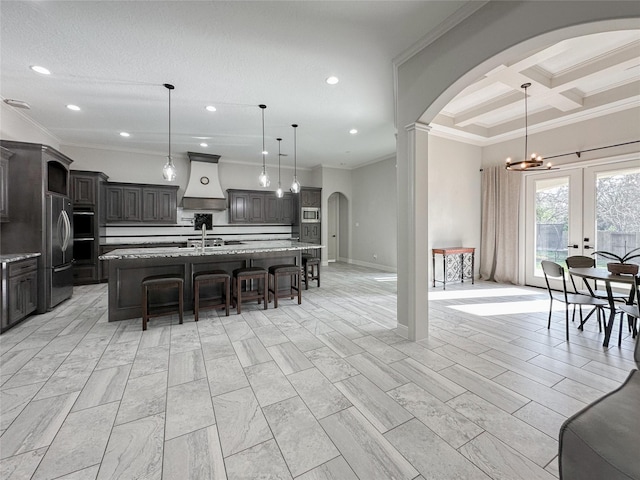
127	268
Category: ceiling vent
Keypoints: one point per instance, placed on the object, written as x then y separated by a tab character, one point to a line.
203	189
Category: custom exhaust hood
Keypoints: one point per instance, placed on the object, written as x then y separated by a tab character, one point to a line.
203	190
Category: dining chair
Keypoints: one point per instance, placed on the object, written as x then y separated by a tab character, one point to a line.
554	270
632	311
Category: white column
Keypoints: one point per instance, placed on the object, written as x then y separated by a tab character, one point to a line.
413	255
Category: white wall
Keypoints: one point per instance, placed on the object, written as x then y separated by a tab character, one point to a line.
454	196
374	212
15	126
334	180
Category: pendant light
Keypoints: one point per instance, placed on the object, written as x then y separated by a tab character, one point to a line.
279	191
295	185
535	161
263	178
169	169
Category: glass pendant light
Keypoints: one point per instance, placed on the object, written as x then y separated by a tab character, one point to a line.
169	169
279	191
263	178
295	185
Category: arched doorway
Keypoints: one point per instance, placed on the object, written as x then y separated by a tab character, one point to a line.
431	78
337	228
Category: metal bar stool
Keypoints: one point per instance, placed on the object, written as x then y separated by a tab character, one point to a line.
275	272
158	282
311	268
211	278
247	274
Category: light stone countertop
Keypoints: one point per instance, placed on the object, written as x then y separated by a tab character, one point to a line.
246	248
16	257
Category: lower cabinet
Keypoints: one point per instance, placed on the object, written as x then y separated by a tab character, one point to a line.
21	297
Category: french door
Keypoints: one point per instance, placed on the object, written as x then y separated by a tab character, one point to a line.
576	211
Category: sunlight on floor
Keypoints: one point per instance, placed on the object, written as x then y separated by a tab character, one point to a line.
508	308
481	293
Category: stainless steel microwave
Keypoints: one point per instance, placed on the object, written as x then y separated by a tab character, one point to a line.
310	215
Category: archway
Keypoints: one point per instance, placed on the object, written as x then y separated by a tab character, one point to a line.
431	78
337	227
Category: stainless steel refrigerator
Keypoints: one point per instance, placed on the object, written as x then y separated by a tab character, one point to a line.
59	254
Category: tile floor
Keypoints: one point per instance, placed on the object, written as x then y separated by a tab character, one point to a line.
324	390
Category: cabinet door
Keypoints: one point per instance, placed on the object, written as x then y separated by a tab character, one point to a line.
132	204
23	296
288	209
83	190
150	205
4	189
30	292
114	204
238	207
167	205
272	209
256	207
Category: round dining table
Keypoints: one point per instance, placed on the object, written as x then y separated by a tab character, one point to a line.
602	274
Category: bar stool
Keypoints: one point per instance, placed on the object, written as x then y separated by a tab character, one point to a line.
275	272
246	274
158	282
211	278
311	268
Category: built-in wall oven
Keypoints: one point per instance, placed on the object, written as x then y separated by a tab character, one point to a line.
310	215
84	236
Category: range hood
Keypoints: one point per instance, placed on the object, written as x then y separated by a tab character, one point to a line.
203	190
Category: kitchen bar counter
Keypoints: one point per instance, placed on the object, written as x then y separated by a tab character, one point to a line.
16	257
128	267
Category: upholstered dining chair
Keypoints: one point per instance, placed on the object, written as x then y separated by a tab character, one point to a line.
554	270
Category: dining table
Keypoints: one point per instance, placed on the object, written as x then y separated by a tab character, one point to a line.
603	275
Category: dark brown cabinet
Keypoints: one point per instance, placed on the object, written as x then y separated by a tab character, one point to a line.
252	206
84	189
131	203
4	184
21	279
310	197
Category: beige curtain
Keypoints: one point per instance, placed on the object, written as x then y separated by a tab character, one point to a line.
499	236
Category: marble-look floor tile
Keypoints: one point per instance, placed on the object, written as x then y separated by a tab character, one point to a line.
186	367
368	453
523	368
118	354
340	344
424	356
184	337
89	473
289	358
377	371
194	456
155	336
16	359
270	335
225	374
13	401
380	409
577	390
38	369
269	383
303	338
240	421
189	408
379	349
453	427
542	418
475	363
332	366
520	436
143	396
150	360
37	425
209	324
260	461
103	386
336	469
238	330
216	346
440	387
300	437
80	443
413	440
318	393
71	376
21	467
251	352
501	462
135	450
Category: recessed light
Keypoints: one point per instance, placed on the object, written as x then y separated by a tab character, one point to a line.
75	108
39	69
210	108
204	144
353	131
332	80
125	134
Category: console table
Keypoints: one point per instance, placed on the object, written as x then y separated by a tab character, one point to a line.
457	264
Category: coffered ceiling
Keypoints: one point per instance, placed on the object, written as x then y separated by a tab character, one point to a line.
110	58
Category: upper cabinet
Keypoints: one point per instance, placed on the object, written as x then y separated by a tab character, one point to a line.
85	187
255	206
4	184
130	202
310	197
